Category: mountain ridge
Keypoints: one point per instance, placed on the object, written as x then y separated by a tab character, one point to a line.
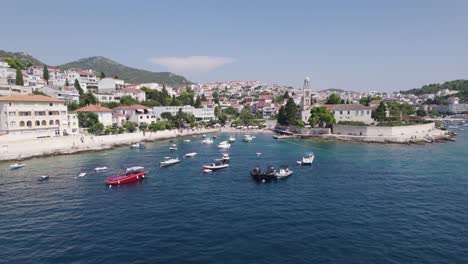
110	68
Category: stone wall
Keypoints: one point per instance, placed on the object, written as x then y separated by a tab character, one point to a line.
376	131
303	131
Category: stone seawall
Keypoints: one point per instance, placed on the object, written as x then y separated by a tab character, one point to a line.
17	150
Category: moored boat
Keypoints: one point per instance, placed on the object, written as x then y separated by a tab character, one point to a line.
231	139
82	174
17	166
168	162
224	145
216	166
129	175
137	146
308	158
247	138
191	154
187	140
283	172
207	141
173	147
260	175
43	178
97	169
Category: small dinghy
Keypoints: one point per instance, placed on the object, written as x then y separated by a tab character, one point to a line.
17	166
187	140
224	145
98	169
82	174
207	141
43	178
190	155
173	147
259	154
231	139
307	159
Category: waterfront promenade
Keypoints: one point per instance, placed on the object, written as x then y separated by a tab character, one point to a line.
17	150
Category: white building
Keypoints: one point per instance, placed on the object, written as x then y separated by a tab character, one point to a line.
107	97
110	85
200	114
7	74
14	89
65	93
351	112
104	114
135	113
87	79
33	116
455	107
136	94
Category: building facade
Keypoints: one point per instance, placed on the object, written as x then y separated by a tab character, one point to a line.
104	114
34	116
200	114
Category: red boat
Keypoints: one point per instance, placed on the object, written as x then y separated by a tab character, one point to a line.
131	174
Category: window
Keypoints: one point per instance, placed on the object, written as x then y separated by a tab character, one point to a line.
141	117
29	124
349	112
51	104
51	122
12	123
368	112
38	123
11	113
21	123
44	123
341	112
57	122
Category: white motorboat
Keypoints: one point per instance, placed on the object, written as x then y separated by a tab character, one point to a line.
307	159
137	146
216	166
173	147
226	158
259	154
190	155
204	136
82	174
224	145
207	141
283	172
187	140
169	161
247	138
43	178
17	166
97	169
254	137
231	139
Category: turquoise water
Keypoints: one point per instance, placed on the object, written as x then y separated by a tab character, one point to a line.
358	203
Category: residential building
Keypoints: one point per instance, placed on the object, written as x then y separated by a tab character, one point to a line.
14	89
33	116
455	107
67	93
110	85
351	112
136	113
136	94
200	114
107	97
104	114
87	79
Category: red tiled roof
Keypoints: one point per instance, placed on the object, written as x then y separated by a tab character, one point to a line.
29	98
94	108
131	107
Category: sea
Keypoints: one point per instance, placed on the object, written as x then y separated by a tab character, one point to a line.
357	203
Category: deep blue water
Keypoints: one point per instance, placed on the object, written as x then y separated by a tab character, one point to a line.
358	203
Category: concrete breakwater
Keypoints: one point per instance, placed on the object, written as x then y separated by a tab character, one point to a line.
18	150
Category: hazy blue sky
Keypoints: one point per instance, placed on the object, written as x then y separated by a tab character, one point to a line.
357	45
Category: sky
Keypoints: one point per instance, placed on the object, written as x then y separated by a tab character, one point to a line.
385	45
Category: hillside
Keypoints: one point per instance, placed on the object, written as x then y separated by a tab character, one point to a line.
112	68
458	85
25	59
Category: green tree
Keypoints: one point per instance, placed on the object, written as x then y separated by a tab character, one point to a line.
321	117
231	111
198	102
334	99
88	99
282	118
421	112
179	119
102	75
286	95
45	73
127	100
166	115
96	128
380	113
78	87
19	77
129	126
291	112
67	83
87	119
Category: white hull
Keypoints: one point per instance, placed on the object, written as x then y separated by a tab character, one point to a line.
189	155
168	162
100	169
17	166
216	167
